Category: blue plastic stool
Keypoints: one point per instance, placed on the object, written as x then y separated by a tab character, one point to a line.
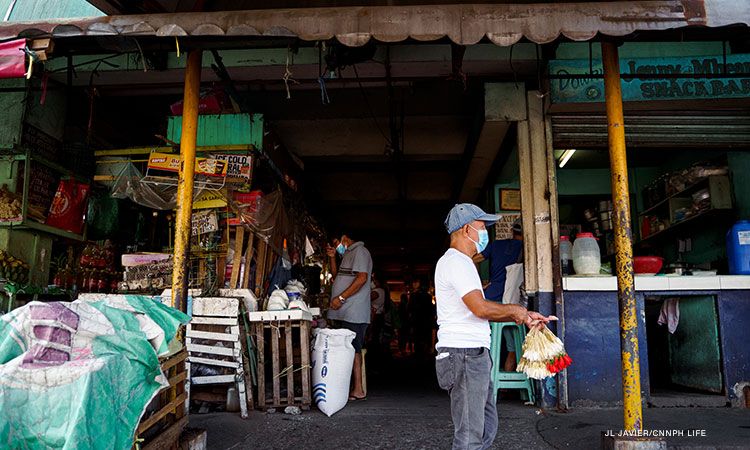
509	380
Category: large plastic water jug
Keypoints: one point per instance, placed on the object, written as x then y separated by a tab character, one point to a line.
738	248
566	255
586	257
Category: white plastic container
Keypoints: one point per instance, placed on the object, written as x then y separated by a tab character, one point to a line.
587	259
566	255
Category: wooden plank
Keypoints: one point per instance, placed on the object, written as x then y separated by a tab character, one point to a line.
248	260
148	423
167	438
198	348
214	336
174	360
259	341
260	267
221	259
244	332
216	306
180	377
239	242
273	316
214	362
240	381
275	366
213	321
289	363
304	332
213	379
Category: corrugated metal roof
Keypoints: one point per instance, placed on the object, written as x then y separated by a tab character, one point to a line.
503	24
26	10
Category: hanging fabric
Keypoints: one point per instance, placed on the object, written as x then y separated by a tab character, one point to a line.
13	59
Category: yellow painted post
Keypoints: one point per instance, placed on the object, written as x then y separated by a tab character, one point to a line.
185	182
631	367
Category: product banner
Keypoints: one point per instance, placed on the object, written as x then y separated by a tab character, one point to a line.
683	78
239	167
209	167
204	222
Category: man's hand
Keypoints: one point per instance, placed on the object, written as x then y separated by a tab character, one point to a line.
536	320
330	251
336	303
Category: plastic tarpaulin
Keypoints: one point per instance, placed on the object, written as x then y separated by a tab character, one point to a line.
79	375
129	184
12	59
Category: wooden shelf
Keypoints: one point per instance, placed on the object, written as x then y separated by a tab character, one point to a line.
31	224
665	232
681	193
25	222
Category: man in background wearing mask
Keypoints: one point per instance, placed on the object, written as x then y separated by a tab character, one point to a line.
506	279
350	299
463	363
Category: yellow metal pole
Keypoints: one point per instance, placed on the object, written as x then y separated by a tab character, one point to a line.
185	182
631	366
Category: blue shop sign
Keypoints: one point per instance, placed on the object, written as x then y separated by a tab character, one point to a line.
699	86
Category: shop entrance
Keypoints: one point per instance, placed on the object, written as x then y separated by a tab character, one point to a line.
684	351
382	162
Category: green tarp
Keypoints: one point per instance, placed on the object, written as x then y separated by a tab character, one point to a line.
79	375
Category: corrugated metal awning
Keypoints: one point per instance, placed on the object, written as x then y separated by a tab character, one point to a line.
503	24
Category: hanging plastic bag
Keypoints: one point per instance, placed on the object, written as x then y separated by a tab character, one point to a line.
103	216
69	206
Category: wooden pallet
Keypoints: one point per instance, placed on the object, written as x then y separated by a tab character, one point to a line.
161	429
211	318
290	338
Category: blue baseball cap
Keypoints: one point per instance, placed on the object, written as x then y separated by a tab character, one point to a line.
464	213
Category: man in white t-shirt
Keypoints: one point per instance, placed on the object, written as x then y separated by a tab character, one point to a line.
463	363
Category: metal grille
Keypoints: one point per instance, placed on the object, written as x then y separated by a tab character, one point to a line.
717	130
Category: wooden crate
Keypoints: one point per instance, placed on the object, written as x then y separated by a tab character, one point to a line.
215	321
283	356
161	428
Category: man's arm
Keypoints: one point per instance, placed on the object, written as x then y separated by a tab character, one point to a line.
332	260
353	288
497	312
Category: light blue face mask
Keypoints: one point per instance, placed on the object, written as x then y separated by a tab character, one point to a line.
341	249
484	239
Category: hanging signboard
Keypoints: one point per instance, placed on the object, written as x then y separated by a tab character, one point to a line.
204	222
504	228
209	167
239	167
210	199
701	82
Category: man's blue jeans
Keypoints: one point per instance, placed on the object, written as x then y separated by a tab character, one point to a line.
465	374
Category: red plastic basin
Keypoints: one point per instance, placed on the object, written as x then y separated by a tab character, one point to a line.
647	264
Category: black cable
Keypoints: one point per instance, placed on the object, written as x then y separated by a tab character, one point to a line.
369	108
93	61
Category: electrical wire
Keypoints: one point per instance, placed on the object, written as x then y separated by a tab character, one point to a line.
369	108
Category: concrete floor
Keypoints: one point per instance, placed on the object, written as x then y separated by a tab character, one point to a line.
406	410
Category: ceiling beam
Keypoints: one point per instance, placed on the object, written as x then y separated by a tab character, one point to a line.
503	104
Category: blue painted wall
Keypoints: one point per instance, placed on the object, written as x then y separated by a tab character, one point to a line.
734	323
592	339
